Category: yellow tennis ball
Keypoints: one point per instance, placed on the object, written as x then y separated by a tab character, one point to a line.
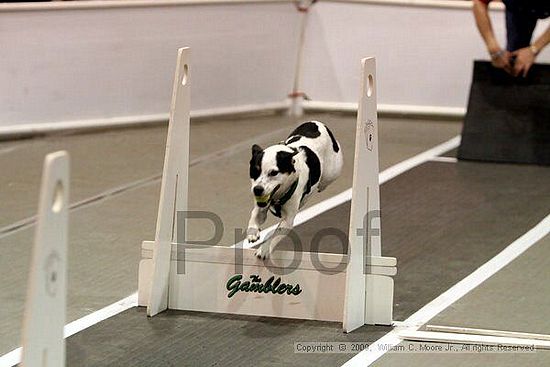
262	199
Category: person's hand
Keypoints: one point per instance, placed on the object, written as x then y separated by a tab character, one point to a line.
501	59
525	57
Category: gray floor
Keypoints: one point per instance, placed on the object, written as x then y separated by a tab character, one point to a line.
466	359
441	220
514	299
493	305
115	185
177	338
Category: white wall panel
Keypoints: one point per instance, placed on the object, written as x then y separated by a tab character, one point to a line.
86	64
91	65
424	54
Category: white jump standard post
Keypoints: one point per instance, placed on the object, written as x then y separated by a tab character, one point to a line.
45	308
173	192
369	283
232	280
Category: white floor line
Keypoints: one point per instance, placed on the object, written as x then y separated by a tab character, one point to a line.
95	199
444	159
457	338
417	160
11	359
488	332
426	313
345	196
14	357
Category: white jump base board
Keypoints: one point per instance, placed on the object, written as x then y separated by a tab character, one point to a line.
307	292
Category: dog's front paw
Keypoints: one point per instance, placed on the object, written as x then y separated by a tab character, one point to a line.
263	251
252	234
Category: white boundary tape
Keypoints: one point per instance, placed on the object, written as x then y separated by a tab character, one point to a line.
30	129
426	313
445	159
12	358
387	109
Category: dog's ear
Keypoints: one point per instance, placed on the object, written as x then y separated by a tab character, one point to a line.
256	162
285	161
256	149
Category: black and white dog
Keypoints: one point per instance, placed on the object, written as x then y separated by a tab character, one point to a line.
284	175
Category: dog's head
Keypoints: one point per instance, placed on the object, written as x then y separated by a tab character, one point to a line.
271	169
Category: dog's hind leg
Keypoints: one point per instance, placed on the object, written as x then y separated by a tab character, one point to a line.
332	170
257	218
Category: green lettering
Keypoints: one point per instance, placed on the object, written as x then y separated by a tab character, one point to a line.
233	284
296	290
272	285
267	285
244	286
255	278
289	289
275	285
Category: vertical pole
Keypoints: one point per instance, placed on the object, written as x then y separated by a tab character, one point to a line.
297	97
365	200
44	319
173	194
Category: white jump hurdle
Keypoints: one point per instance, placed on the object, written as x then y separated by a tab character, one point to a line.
44	318
354	288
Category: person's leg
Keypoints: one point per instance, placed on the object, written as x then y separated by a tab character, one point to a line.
519	29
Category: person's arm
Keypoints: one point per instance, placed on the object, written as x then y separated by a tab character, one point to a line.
525	57
499	57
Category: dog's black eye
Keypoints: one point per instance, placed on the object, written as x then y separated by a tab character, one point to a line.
273	172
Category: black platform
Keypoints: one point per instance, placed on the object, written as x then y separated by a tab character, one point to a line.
508	118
